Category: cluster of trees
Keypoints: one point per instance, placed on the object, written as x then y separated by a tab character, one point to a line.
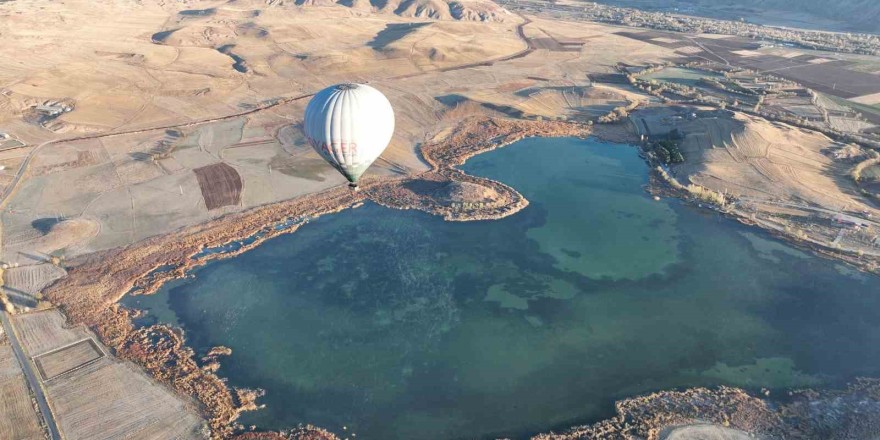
619	113
700	192
707	195
873	159
667	151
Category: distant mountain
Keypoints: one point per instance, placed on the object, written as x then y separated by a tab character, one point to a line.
467	10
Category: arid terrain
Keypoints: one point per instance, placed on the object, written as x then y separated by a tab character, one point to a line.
133	134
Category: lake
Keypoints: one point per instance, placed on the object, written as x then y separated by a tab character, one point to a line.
397	325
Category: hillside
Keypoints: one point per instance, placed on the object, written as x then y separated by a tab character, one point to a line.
465	10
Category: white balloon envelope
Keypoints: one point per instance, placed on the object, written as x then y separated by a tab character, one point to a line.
349	125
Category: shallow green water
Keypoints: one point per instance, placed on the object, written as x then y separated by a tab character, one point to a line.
681	75
398	325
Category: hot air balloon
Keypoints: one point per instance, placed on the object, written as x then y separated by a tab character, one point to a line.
349	125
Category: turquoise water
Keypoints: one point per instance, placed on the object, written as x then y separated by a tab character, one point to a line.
398	325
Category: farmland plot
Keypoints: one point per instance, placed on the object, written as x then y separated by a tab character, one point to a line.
18	418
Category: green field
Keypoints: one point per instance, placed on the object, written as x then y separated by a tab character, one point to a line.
678	75
871	173
864	108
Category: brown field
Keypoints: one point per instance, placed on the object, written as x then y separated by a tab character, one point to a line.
24	284
60	361
103	399
41	332
109	399
18	418
220	185
871	99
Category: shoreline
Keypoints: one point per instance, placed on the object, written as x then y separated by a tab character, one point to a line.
96	283
666	186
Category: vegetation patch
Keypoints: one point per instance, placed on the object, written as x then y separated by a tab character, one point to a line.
667	150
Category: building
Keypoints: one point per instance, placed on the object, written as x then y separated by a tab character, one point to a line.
848	220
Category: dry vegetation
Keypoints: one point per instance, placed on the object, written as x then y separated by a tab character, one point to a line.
731	413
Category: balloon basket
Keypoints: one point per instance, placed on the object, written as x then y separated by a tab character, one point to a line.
354	186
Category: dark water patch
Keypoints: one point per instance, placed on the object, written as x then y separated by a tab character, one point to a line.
399	325
392	33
